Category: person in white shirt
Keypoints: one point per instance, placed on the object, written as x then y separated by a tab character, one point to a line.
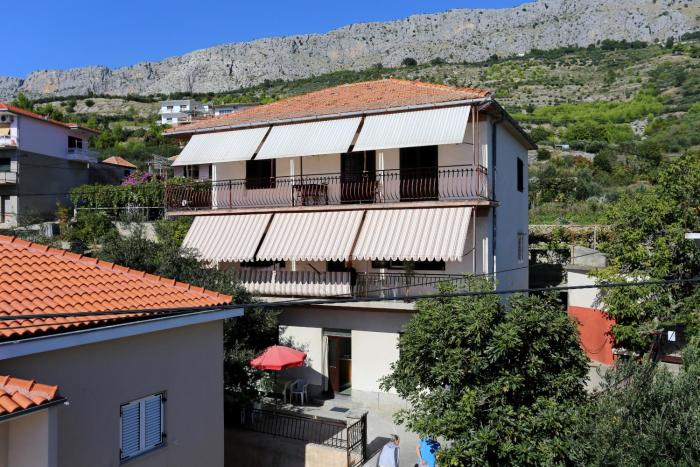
389	457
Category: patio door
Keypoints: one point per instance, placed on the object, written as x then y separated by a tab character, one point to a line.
358	177
339	362
419	173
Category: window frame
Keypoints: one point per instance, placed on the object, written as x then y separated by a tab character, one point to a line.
520	247
260	179
142	426
520	174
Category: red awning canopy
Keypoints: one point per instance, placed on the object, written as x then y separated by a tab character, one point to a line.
278	357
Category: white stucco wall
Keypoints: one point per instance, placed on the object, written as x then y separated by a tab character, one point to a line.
29	440
372	355
374	336
512	212
46	138
581	297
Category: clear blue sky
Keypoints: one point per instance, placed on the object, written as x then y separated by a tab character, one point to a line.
52	34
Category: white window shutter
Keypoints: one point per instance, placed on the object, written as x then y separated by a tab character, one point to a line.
153	431
130	429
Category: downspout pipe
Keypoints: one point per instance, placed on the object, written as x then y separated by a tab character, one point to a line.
494	158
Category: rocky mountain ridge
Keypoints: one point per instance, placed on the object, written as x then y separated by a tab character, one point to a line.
456	36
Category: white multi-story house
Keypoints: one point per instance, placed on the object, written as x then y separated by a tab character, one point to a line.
175	112
40	161
375	191
225	109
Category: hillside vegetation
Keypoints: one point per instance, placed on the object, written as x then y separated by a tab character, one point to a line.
604	116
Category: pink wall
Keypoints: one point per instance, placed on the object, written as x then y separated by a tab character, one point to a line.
594	328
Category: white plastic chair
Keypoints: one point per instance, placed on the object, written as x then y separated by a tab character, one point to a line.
299	388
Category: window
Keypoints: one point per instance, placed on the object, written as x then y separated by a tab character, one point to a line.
5	164
192	171
521	247
183	107
413	265
169	108
4	208
260	174
141	426
419	173
75	143
521	175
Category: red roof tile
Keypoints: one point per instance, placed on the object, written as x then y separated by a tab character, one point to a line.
355	97
17	395
36	280
120	161
27	113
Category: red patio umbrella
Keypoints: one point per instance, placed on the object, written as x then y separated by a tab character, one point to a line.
278	357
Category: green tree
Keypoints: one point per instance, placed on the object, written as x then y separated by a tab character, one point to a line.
497	380
23	102
647	242
645	415
409	61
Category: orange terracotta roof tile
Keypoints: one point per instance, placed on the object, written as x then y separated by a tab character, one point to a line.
18	395
356	97
120	161
35	280
27	113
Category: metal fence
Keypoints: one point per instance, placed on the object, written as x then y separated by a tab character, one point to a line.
324	431
382	186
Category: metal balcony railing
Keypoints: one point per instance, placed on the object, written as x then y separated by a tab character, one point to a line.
80	154
267	282
385	186
8	177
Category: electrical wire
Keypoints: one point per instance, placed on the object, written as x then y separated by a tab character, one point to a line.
179	311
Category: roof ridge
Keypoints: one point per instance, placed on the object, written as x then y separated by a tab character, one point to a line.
34	115
112	267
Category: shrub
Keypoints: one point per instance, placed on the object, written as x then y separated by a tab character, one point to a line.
89	102
409	61
544	154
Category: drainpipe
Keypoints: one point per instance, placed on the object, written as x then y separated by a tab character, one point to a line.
494	231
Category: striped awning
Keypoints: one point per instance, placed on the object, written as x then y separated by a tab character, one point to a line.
413	128
226	238
311	236
309	139
414	235
226	146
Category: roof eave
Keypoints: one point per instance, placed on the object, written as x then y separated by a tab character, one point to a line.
36	408
259	123
494	105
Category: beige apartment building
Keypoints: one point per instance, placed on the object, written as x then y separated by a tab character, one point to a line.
370	192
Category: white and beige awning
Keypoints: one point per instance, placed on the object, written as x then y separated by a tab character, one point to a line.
432	234
309	139
311	236
415	128
226	146
226	238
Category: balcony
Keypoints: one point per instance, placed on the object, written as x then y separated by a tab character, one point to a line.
80	154
8	178
369	285
8	142
386	186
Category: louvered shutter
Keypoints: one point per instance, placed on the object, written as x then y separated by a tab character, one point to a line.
130	429
153	408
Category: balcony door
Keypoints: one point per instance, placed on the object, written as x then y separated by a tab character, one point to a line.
358	177
419	173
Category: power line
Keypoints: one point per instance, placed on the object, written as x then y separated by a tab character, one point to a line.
180	311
